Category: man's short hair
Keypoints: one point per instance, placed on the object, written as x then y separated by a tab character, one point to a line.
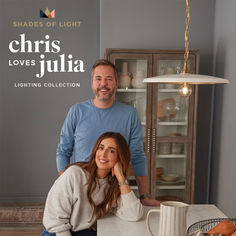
104	62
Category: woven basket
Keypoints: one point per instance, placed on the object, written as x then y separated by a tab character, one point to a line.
206	225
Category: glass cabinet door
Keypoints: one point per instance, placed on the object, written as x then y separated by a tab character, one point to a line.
171	146
173	132
172	112
132	91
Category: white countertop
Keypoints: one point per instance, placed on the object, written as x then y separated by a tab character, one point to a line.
113	226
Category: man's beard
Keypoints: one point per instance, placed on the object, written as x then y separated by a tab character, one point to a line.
104	98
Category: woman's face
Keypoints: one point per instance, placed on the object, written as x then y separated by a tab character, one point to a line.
106	156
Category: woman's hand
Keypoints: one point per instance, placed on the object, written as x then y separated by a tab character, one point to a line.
118	172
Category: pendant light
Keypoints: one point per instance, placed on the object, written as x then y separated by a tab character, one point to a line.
185	79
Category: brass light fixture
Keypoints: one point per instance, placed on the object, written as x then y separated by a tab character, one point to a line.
185	79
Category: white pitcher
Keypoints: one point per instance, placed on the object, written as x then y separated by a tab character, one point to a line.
172	219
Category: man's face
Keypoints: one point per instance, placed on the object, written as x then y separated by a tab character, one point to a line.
104	84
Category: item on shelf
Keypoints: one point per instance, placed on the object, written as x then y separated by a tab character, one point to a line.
170	110
164	148
169	71
137	81
165	109
177	109
177	148
179	181
128	102
178	69
162	69
158	172
167	198
170	177
124	77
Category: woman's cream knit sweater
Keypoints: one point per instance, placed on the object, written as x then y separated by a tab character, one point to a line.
67	206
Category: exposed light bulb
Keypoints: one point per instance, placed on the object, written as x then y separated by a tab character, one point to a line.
185	90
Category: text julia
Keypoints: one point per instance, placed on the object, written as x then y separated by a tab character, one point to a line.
63	64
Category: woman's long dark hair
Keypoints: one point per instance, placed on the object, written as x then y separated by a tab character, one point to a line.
112	192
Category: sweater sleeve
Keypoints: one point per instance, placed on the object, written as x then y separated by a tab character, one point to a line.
66	144
129	207
138	158
59	203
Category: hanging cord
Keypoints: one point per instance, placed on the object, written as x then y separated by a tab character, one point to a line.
186	54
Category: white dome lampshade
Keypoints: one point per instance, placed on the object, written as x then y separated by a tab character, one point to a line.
185	78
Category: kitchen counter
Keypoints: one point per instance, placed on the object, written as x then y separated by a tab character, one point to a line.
111	225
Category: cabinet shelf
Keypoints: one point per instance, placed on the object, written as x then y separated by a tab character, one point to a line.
170	186
131	90
171	156
168	90
174	123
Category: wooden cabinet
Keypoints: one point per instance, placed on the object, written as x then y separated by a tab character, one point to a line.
168	120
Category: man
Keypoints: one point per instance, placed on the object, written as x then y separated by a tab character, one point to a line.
87	120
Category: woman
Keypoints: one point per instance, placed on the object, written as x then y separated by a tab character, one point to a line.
86	192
